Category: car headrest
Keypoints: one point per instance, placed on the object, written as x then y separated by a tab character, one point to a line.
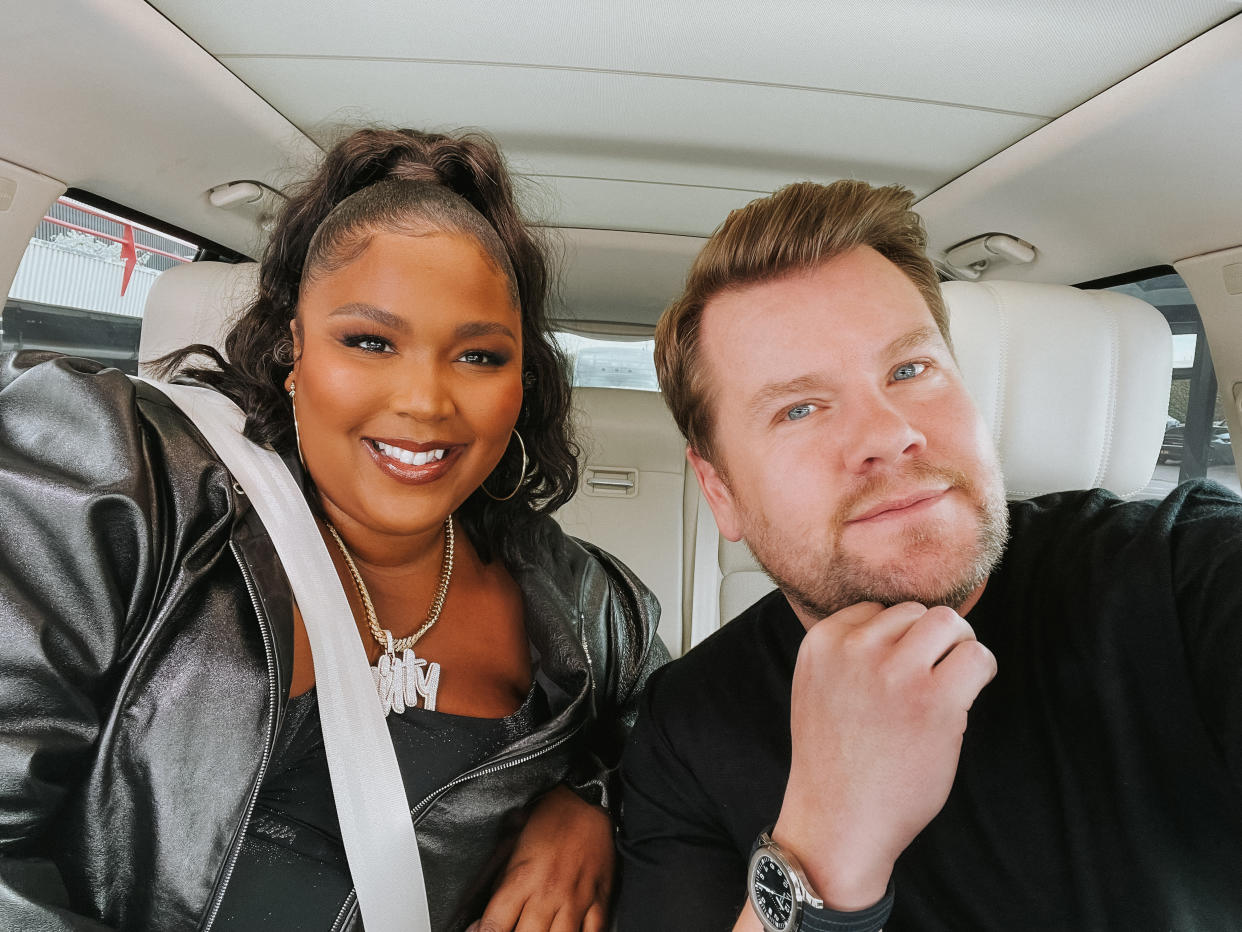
194	303
1074	385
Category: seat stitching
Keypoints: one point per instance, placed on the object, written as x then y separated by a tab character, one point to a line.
1002	355
1114	381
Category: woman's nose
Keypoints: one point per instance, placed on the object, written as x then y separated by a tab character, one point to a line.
422	391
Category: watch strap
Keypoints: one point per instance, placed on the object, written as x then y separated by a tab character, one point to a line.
871	919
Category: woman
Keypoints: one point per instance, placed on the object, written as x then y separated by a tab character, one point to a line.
161	764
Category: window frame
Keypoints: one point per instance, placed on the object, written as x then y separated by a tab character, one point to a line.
1201	404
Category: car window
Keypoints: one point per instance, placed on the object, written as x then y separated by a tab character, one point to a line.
1196	437
610	363
83	283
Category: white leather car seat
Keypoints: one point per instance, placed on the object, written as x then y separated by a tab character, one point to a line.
634	491
194	303
1074	385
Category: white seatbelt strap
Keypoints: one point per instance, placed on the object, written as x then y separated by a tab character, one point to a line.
371	804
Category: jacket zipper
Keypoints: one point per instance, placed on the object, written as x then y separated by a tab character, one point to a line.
273	692
347	908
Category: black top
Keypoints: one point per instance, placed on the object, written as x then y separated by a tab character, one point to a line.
292	874
1100	781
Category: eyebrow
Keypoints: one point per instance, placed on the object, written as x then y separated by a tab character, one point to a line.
774	390
372	313
912	340
483	328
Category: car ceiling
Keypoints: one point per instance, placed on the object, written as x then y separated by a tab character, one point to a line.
639	125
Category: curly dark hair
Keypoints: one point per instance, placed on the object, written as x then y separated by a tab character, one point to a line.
449	169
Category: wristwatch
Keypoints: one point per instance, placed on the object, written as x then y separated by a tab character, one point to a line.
779	890
784	902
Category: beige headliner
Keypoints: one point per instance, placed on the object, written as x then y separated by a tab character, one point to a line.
659	118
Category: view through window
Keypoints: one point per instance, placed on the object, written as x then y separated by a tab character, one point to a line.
1196	436
83	283
610	363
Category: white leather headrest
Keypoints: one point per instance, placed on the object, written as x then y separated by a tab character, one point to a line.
194	303
1074	384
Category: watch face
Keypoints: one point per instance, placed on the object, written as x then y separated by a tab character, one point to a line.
772	894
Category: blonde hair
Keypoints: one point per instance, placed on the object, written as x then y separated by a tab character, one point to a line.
795	229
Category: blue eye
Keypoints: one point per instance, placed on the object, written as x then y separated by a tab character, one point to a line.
908	371
798	412
368	343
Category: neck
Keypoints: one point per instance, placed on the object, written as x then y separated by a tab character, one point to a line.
381	551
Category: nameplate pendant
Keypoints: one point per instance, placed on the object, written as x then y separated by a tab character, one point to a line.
401	680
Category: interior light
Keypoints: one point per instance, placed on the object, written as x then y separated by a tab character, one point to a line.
235	194
972	257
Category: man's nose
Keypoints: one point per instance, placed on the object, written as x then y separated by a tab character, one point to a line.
881	433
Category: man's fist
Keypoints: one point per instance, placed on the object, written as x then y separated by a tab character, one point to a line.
880	697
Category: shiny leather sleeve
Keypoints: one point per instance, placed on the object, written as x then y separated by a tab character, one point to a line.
80	536
619	617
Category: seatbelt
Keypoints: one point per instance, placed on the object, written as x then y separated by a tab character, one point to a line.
376	826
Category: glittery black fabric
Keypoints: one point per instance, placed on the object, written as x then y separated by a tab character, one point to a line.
292	872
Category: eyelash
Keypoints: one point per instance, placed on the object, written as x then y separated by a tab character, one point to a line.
356	341
484	357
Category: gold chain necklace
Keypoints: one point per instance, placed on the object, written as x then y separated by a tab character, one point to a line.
401	680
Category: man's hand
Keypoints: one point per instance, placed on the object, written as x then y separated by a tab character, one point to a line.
879	707
559	878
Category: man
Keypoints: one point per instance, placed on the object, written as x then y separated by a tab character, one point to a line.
846	729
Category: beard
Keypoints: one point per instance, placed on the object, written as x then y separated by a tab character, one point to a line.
826	578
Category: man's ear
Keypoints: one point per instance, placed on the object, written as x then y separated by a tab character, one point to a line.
718	496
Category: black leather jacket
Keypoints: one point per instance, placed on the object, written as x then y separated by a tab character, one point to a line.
146	656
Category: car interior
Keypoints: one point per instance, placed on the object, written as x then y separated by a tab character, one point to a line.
1078	167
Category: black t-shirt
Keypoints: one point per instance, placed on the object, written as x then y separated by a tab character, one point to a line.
1100	780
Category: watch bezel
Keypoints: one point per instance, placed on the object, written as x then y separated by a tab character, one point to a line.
798	884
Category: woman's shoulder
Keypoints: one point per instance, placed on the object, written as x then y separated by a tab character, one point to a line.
53	378
605	592
575	561
98	424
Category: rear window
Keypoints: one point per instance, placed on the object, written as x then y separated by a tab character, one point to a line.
83	283
601	362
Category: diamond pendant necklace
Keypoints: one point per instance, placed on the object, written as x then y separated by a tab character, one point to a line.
401	680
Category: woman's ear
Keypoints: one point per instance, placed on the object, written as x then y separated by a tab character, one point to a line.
295	331
295	334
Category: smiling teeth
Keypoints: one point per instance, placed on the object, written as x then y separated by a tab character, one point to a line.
409	457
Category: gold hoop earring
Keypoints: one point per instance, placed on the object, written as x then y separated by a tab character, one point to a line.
297	436
521	478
